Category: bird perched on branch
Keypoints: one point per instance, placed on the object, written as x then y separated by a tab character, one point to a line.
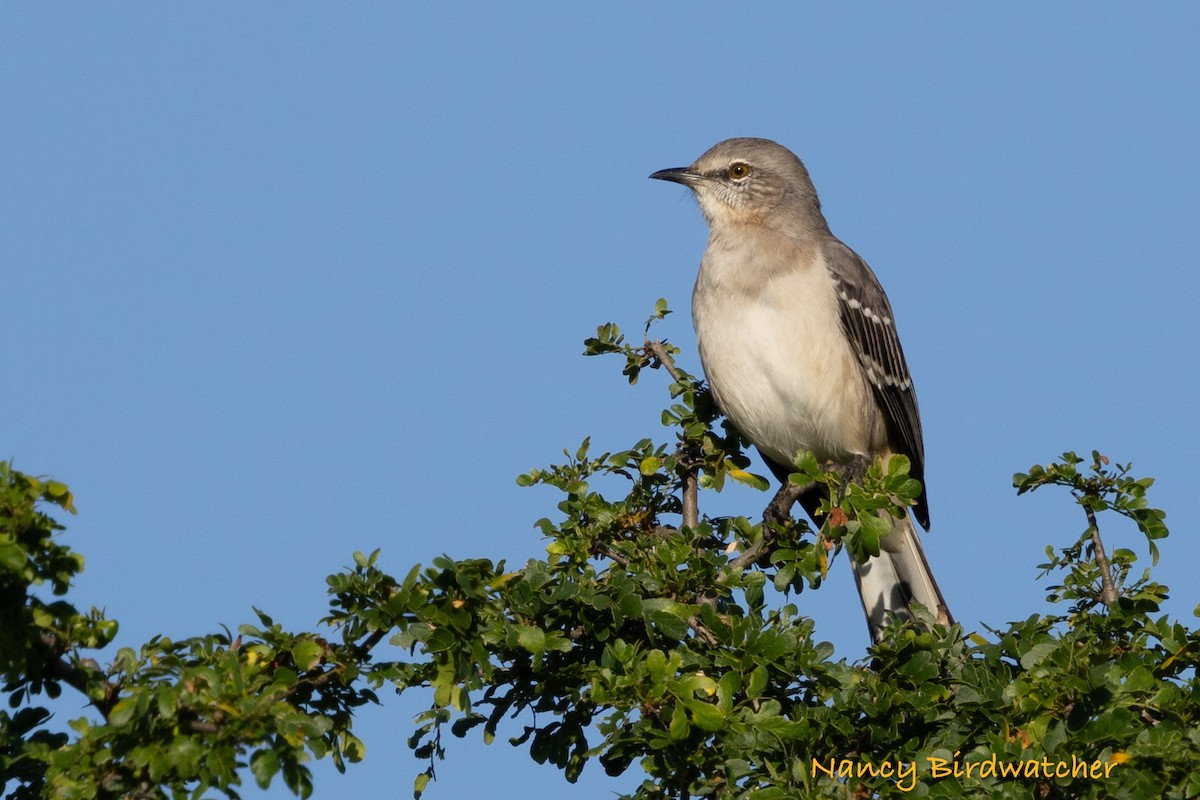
799	346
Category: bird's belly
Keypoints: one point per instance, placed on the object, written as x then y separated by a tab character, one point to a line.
787	379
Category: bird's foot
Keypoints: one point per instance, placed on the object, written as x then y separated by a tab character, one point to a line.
779	510
852	472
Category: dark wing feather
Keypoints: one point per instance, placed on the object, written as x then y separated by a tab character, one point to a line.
867	320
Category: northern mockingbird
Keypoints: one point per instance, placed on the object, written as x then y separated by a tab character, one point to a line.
799	346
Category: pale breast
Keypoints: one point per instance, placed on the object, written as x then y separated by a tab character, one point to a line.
773	351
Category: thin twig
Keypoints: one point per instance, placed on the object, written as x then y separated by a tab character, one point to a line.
1108	590
201	726
79	676
702	632
610	554
659	352
691	502
369	643
691	499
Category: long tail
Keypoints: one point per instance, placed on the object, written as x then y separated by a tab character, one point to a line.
890	583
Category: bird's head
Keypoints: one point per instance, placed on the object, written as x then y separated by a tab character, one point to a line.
751	182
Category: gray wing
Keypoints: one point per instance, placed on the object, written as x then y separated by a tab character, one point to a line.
868	323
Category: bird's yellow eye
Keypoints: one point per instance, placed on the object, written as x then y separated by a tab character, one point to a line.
739	170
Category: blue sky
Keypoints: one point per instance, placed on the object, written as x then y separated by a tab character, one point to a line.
285	281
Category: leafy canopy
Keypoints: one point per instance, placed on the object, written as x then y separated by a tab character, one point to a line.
650	634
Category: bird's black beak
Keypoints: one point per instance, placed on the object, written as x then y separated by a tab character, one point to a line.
682	175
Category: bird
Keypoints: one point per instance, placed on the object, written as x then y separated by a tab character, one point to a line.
798	344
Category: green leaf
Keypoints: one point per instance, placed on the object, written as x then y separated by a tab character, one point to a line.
531	638
750	479
307	654
656	666
1139	679
12	556
680	727
758	682
706	716
123	712
352	747
1037	653
264	764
